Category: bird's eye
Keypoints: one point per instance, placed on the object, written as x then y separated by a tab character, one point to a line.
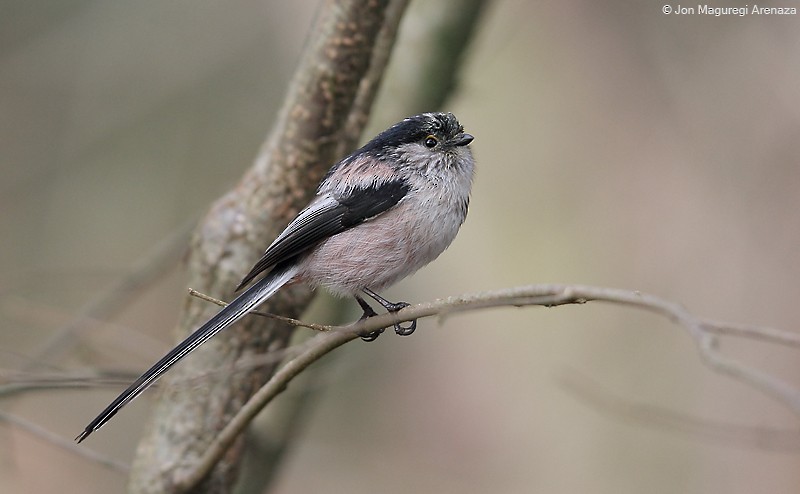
431	141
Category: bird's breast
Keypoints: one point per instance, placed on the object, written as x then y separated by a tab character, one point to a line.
389	247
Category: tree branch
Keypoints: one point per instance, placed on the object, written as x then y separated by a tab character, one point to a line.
318	123
595	396
117	296
531	295
59	441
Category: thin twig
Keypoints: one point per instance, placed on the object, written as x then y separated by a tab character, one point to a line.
66	444
590	392
541	295
761	333
287	320
23	381
146	270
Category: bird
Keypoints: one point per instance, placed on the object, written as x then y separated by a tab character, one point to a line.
378	215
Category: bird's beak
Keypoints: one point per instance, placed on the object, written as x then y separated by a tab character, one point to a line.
462	139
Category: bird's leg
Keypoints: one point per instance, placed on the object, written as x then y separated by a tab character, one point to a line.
368	312
394	307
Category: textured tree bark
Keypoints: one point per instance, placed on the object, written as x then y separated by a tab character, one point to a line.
325	110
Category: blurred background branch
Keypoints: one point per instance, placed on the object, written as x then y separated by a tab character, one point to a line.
618	408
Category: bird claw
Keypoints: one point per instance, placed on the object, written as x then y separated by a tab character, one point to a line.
398	327
390	307
372	335
405	330
368	312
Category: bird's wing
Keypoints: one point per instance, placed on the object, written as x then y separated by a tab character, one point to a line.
326	216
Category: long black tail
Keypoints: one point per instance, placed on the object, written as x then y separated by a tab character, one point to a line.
241	305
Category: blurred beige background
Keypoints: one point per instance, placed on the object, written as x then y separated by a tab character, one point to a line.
617	146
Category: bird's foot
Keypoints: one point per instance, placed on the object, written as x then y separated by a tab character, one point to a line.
368	312
394	307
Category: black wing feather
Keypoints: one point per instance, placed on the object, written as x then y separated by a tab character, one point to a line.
363	204
328	216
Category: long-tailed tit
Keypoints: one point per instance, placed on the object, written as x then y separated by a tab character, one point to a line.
378	216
